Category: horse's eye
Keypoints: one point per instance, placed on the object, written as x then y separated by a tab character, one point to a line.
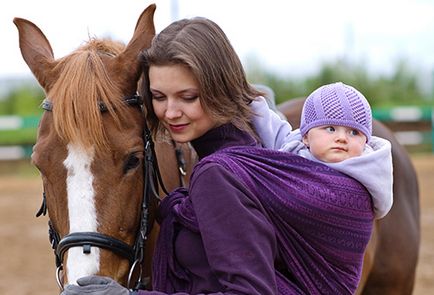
132	162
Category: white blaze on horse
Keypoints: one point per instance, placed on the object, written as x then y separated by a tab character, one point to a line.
79	187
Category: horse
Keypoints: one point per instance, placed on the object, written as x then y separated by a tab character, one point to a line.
91	153
391	256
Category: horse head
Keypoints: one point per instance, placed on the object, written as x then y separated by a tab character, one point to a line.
90	149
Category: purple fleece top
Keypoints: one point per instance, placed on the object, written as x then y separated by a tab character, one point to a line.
240	230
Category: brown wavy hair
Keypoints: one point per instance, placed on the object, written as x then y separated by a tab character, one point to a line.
201	45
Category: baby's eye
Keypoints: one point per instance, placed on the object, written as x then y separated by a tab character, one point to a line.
354	132
330	129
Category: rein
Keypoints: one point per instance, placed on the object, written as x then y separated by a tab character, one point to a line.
135	253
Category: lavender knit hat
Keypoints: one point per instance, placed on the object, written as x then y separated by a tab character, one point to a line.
337	104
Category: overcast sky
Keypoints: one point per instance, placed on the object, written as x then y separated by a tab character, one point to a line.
292	37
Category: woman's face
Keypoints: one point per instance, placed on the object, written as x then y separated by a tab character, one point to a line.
175	98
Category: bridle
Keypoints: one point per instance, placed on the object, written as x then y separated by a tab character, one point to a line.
152	181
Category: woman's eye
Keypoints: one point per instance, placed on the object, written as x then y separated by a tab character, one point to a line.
158	97
191	97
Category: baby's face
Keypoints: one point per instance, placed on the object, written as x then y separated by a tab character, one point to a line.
332	144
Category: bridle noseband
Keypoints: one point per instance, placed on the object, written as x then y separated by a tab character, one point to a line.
134	254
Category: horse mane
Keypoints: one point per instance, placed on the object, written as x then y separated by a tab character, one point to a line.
82	84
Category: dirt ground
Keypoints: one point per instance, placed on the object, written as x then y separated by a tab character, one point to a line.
27	262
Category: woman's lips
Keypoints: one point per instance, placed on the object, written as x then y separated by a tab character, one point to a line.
177	127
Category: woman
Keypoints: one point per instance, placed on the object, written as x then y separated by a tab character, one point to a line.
253	221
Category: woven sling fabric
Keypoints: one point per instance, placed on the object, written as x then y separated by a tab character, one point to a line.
322	218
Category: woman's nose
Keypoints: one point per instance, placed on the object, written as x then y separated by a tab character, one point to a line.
173	109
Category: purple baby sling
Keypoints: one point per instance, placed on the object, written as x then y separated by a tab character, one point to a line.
322	218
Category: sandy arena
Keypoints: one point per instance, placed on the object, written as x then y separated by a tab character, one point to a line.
27	262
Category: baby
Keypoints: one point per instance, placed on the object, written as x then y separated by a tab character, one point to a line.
335	129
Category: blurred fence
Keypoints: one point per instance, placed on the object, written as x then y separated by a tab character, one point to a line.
412	126
15	142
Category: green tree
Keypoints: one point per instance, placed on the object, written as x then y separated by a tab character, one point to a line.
22	101
399	88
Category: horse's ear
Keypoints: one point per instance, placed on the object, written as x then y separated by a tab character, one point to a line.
35	49
142	37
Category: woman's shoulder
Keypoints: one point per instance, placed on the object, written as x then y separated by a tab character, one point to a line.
208	165
245	160
216	177
223	162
